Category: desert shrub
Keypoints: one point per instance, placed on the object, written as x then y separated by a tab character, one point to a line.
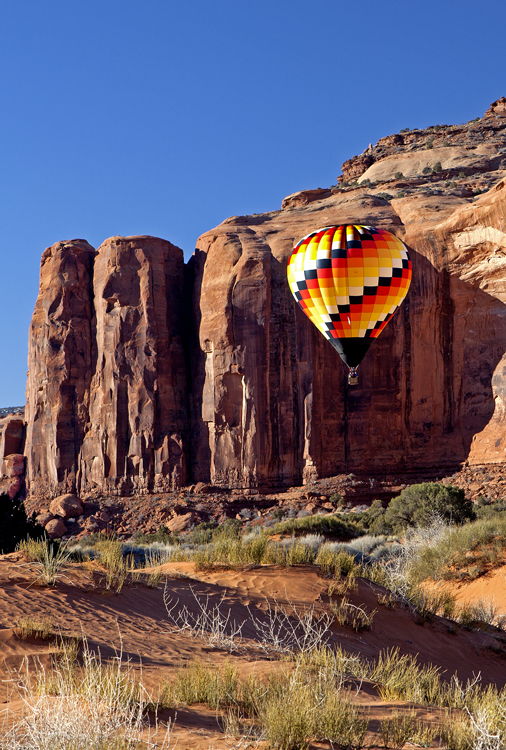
289	552
229	528
202	533
337	499
329	525
462	552
426	170
489	511
279	514
373	520
163	535
398	175
385	196
462	175
418	504
15	525
397	729
437	167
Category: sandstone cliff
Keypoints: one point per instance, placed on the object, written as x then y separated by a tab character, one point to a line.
107	392
133	387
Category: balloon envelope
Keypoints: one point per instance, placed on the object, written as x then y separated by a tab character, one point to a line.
349	280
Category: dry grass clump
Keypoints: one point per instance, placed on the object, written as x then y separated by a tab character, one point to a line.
348	614
31	627
335	563
293	713
402	727
200	683
79	705
49	558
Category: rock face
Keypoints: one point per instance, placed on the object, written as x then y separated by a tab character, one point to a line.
106	393
273	399
135	388
60	354
474	148
138	398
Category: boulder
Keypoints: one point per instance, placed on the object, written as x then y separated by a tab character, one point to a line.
56	528
203	488
13	465
180	523
43	518
66	506
15	487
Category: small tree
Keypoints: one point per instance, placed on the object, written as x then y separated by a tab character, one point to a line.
437	167
417	505
14	524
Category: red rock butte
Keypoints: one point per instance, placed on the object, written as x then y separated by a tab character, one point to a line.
146	374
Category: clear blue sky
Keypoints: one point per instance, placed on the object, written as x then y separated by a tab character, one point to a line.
160	117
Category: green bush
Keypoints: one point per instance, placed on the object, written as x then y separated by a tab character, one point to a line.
162	535
417	505
337	499
210	531
374	519
331	525
398	175
15	526
437	167
426	170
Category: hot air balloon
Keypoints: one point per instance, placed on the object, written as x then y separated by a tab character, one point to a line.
350	280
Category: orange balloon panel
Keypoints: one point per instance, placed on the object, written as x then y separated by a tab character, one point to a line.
349	280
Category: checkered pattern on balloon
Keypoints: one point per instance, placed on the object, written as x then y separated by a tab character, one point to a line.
350	280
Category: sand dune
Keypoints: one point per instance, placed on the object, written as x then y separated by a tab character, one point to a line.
136	621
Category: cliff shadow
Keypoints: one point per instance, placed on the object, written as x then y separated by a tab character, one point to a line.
198	449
